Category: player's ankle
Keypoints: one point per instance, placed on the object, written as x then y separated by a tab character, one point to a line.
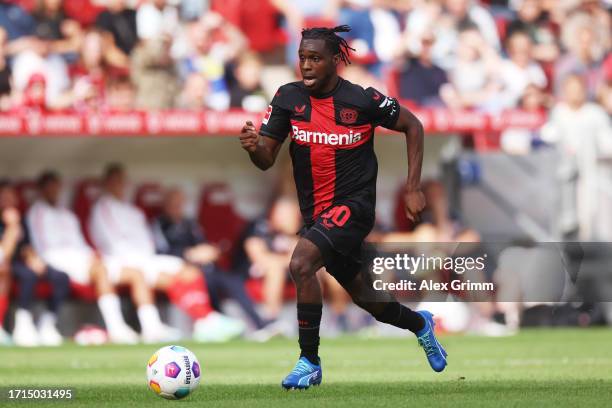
311	357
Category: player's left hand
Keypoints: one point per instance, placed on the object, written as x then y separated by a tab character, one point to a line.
415	202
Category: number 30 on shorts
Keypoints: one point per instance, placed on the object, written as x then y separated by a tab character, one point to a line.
336	216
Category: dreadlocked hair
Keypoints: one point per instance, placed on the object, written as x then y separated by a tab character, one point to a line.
334	42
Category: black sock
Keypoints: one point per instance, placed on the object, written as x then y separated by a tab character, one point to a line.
400	316
309	320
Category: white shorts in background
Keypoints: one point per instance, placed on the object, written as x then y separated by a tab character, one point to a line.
76	263
153	265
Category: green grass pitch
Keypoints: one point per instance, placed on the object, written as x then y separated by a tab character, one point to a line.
540	368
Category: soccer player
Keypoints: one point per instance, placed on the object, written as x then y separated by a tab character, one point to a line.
332	124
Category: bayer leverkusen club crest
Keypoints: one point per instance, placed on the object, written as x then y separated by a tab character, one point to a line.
348	116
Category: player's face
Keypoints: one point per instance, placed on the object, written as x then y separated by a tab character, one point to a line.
52	191
317	64
8	197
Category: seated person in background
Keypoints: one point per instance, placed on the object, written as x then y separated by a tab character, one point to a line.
176	234
57	237
10	234
27	269
268	247
120	229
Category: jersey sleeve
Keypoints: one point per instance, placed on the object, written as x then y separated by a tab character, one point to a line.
383	110
276	122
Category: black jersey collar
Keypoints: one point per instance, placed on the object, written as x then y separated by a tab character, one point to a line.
330	93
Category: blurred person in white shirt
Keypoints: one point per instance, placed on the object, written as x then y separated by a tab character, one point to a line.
56	235
446	17
583	133
520	70
474	79
120	229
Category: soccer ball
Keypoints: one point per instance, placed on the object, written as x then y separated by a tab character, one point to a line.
173	372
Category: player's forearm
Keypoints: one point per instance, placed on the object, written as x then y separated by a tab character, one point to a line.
9	240
414	146
262	157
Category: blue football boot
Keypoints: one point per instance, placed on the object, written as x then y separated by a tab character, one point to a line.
436	355
303	375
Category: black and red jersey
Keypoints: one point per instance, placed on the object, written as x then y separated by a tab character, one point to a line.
332	141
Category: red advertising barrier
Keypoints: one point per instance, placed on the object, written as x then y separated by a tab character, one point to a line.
211	123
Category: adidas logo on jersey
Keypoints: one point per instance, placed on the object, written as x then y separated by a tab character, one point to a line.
333	139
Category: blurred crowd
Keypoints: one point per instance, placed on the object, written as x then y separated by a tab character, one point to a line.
118	55
123	55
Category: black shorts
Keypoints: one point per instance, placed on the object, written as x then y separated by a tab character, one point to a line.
339	232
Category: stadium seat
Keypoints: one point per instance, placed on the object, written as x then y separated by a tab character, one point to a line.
149	198
254	288
86	192
220	221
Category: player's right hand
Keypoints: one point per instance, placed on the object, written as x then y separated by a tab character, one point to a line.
249	137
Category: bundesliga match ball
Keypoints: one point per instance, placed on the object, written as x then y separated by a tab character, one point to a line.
173	372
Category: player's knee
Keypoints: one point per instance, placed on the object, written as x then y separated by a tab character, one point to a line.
188	273
301	269
60	282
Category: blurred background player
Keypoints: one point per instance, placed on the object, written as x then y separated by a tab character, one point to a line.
178	235
56	235
120	229
27	269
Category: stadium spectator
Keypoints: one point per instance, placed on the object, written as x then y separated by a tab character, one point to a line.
263	33
19	26
5	74
120	229
152	67
63	34
28	269
156	19
583	134
120	94
420	80
211	44
447	18
56	235
586	46
98	57
605	97
29	67
119	21
268	248
358	74
532	19
153	73
520	140
246	91
474	81
176	234
519	70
